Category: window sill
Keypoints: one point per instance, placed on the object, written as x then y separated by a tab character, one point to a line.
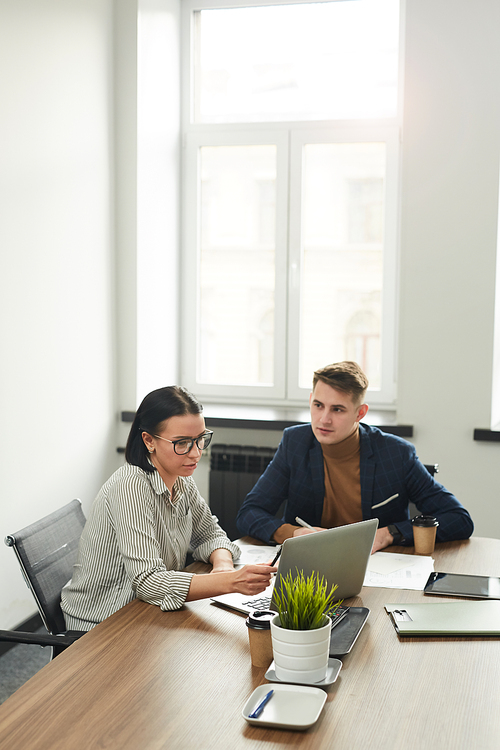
269	418
489	436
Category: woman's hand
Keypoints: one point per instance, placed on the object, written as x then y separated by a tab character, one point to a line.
252	579
248	580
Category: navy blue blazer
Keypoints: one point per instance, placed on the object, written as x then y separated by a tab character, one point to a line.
389	470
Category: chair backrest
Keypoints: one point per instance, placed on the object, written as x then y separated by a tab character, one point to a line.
46	551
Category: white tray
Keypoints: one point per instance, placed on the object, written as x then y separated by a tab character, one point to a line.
291	706
332	672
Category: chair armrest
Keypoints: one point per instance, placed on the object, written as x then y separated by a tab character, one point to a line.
41	639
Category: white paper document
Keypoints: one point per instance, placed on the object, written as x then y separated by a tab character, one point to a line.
252	554
386	570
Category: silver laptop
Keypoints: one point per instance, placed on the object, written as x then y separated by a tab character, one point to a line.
340	555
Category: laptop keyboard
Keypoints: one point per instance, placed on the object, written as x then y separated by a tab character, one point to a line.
264	603
259	604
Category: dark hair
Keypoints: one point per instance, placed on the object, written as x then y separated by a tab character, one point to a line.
156	407
346	376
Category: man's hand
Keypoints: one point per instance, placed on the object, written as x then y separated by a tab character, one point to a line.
383	538
301	531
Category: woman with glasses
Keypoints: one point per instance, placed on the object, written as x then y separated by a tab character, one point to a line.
146	518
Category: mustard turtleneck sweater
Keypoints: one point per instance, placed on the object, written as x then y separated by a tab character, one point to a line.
342	503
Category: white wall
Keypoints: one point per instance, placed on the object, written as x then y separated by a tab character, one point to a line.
451	152
57	317
148	152
159	153
147	112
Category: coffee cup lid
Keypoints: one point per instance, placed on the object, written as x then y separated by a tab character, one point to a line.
260	619
426	521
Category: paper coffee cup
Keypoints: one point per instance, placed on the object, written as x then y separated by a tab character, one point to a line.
259	637
424	534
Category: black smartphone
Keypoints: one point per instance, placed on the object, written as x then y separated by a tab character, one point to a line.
338	615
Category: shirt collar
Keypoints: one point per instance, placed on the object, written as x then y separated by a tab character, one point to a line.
157	482
159	485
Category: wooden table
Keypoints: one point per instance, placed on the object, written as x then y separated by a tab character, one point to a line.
146	679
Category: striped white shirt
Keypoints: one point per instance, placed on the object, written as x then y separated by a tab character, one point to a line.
134	545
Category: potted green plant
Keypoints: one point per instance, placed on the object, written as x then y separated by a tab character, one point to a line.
301	630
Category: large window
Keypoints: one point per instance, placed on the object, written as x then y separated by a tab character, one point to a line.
290	195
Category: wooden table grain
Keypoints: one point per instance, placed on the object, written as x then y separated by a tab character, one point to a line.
146	679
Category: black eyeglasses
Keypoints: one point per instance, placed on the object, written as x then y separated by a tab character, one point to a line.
184	445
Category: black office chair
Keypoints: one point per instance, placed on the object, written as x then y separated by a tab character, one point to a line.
46	551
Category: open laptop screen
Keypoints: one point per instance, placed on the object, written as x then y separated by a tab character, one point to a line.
340	555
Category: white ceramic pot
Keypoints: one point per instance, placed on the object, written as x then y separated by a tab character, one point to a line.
300	656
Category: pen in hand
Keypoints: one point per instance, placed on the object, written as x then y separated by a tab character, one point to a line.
278	553
304	524
257	712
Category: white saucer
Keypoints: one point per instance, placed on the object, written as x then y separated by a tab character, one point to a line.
291	706
332	672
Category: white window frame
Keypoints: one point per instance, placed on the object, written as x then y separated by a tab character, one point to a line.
366	131
289	138
191	252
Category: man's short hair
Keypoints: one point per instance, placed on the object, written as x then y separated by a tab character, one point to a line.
344	376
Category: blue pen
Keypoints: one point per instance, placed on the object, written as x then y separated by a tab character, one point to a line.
265	700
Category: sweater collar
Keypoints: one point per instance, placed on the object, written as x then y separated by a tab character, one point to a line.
347	448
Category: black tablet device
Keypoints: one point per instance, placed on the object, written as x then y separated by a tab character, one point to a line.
456	584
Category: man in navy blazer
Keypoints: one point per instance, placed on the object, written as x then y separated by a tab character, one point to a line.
338	470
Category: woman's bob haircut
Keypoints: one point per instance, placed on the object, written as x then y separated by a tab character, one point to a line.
156	407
